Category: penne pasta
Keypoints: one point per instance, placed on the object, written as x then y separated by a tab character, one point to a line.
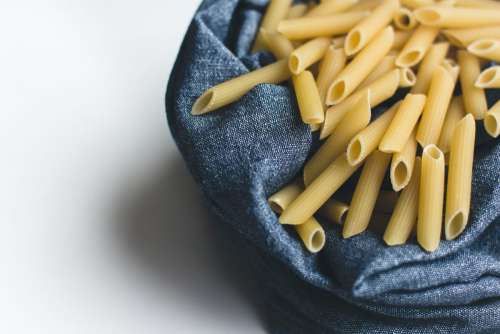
489	78
455	113
318	192
366	193
407	77
486	48
433	58
353	122
366	30
282	199
457	17
492	120
276	11
417	46
309	101
334	211
387	64
402	164
364	5
380	90
438	101
403	123
331	65
320	26
367	141
297	11
386	201
233	89
400	39
404	217
413	4
278	44
404	19
331	7
360	67
431	198
308	54
458	193
474	98
463	37
478	4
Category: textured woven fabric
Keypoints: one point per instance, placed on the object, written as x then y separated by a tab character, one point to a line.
243	153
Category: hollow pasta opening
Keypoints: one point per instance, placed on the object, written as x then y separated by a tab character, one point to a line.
338	90
455	226
433	152
409	58
353	42
487	76
275	207
409	76
354	151
427	16
343	216
400	175
294	64
484	45
203	103
491	125
317	241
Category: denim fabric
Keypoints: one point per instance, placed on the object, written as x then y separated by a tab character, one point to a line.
242	153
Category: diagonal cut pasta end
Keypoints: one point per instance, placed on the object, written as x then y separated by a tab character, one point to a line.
204	103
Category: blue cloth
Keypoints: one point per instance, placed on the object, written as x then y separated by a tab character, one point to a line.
242	153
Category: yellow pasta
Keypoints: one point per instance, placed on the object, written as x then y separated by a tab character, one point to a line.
370	26
404	19
318	192
308	54
360	67
338	42
403	123
493	4
320	26
438	100
331	65
400	39
231	90
331	7
404	217
433	58
297	11
364	5
431	198
276	11
455	113
334	211
386	201
402	164
458	193
380	90
463	37
457	17
486	48
353	122
387	64
492	120
407	77
365	194
417	3
474	98
309	101
489	78
417	46
367	141
278	44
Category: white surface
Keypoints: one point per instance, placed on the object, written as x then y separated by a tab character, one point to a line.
103	230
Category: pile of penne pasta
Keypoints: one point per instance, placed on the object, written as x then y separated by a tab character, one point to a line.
345	57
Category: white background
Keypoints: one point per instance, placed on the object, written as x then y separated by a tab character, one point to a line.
102	228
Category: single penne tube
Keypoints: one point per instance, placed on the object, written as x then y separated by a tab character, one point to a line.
297	10
489	78
413	4
399	131
367	141
331	7
364	5
360	67
386	201
311	233
457	17
366	194
404	19
318	192
463	37
492	4
474	98
370	26
380	90
331	65
402	164
334	211
320	26
353	122
276	11
387	64
492	120
458	193
417	46
455	113
400	39
486	48
278	44
407	77
438	101
432	59
431	198
308	99
404	217
308	54
233	89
